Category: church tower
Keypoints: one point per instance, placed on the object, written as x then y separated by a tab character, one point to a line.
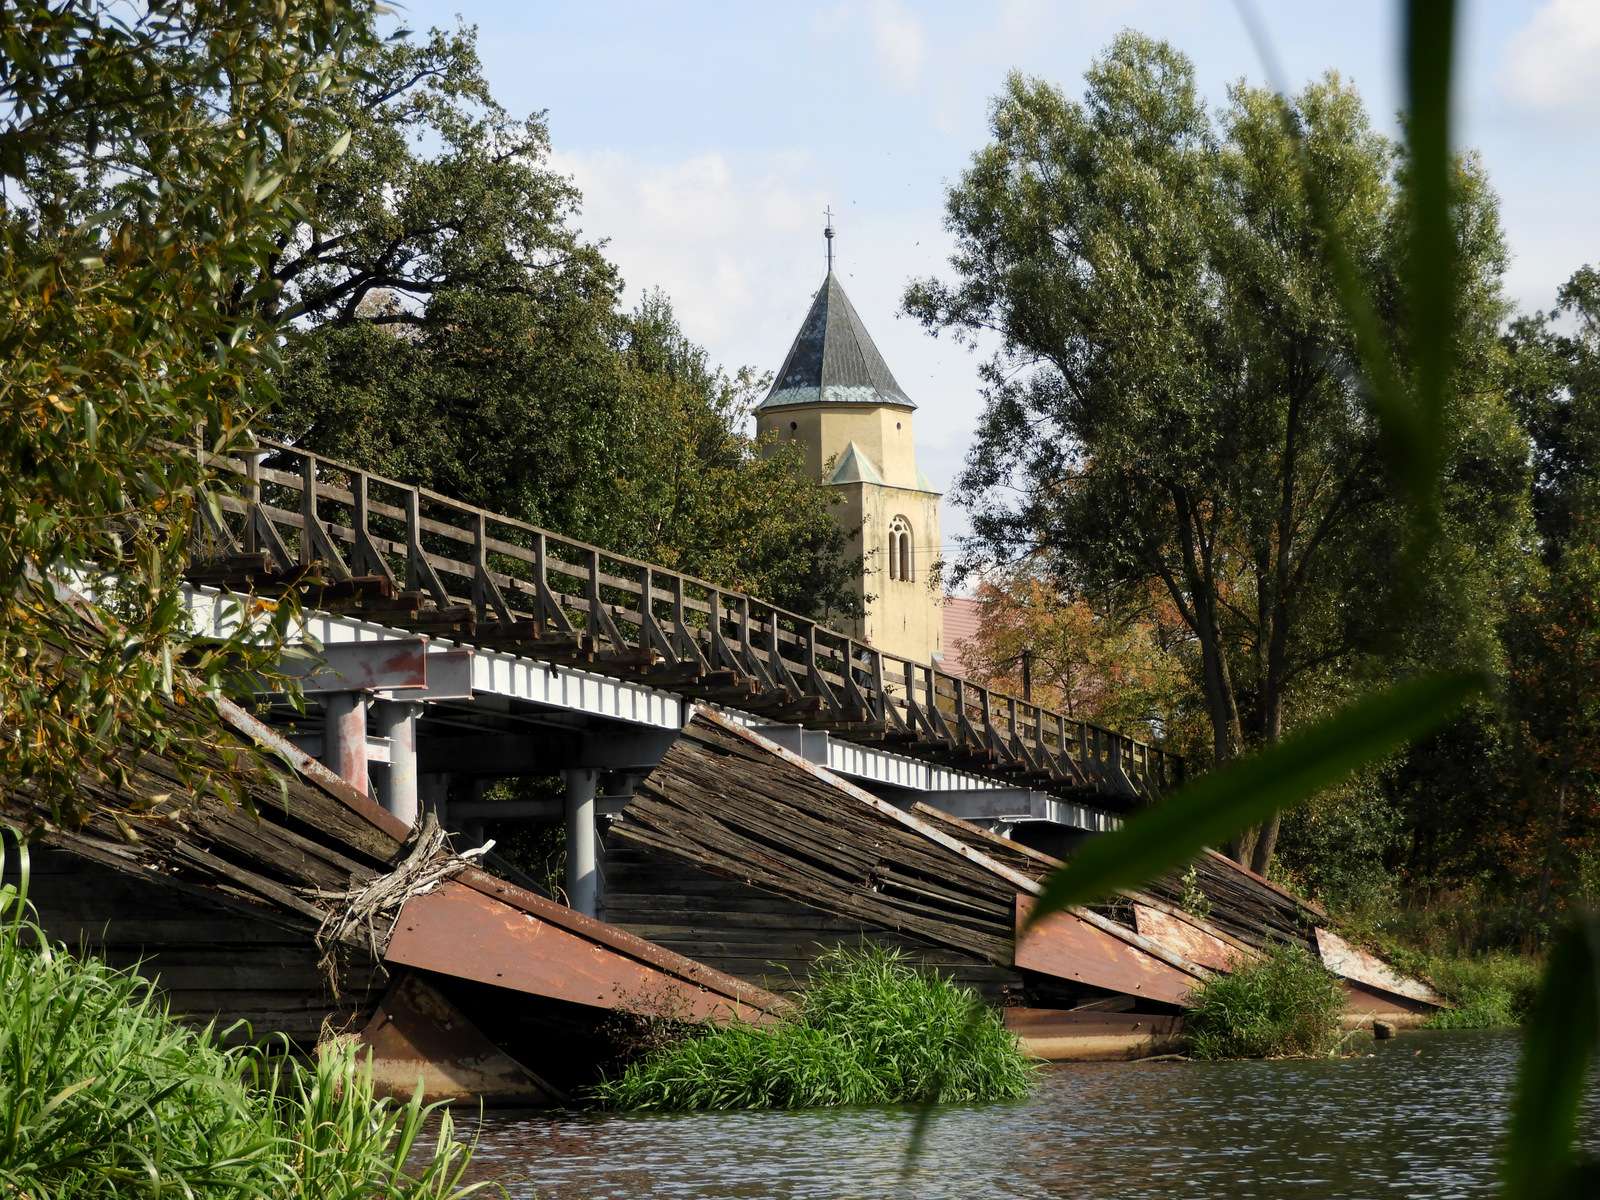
837	400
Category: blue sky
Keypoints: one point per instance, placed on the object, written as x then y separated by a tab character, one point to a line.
708	137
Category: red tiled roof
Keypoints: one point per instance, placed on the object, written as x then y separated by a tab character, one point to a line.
960	628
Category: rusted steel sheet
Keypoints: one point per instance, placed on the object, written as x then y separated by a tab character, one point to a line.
647	952
1362	1004
1075	1035
1188	938
456	930
1065	945
1355	964
418	1038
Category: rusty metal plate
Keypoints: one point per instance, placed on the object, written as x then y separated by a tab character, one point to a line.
419	1039
1355	964
1070	1035
455	930
1186	939
1068	947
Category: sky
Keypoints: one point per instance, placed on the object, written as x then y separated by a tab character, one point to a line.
707	138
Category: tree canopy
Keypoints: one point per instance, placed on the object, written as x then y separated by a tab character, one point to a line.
1176	399
451	327
152	157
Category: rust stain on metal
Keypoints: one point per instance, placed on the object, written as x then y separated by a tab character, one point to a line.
1066	946
1356	965
1075	1035
457	930
418	1038
1188	939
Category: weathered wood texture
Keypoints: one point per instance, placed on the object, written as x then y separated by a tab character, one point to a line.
410	557
731	803
760	936
213	955
225	903
737	807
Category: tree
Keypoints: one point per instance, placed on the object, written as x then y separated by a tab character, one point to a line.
151	159
452	329
1177	397
1118	669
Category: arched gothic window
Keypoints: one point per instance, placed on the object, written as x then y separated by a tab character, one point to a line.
900	561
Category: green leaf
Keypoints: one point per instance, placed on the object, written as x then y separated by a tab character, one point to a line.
1558	1046
1226	801
340	145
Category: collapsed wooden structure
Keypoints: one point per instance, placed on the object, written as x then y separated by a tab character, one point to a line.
307	910
358	543
734	848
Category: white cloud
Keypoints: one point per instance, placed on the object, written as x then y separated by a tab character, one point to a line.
900	42
1549	64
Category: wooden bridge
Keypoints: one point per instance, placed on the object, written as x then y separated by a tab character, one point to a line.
358	543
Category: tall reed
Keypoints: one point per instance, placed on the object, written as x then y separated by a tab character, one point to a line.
1287	1005
103	1094
870	1029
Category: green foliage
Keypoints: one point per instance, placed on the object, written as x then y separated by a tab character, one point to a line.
870	1029
1180	395
1288	1005
152	160
1490	991
103	1095
1542	1156
453	329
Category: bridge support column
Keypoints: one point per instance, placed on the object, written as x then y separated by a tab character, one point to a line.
397	721
344	737
583	877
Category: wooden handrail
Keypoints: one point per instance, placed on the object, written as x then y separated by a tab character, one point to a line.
555	595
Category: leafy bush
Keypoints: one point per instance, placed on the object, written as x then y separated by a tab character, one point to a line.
1488	992
1286	1005
870	1029
103	1094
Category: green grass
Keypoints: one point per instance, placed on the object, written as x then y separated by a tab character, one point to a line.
102	1094
1488	991
870	1029
1287	1005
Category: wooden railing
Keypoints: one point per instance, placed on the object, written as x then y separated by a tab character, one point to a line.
411	557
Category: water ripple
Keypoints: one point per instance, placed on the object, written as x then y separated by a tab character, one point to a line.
1422	1117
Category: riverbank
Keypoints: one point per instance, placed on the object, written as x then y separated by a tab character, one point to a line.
104	1093
1419	1116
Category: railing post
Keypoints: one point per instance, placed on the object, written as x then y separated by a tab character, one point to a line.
308	510
252	499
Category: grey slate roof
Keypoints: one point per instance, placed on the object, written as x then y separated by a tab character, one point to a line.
833	359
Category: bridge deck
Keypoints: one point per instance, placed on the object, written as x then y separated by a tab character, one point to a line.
404	557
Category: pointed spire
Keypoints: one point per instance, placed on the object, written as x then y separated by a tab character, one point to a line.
833	359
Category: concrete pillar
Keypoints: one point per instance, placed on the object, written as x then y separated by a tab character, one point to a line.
397	721
583	879
344	737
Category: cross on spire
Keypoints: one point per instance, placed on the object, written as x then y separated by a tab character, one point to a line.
827	232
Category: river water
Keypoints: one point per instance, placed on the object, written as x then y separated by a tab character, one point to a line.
1419	1116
